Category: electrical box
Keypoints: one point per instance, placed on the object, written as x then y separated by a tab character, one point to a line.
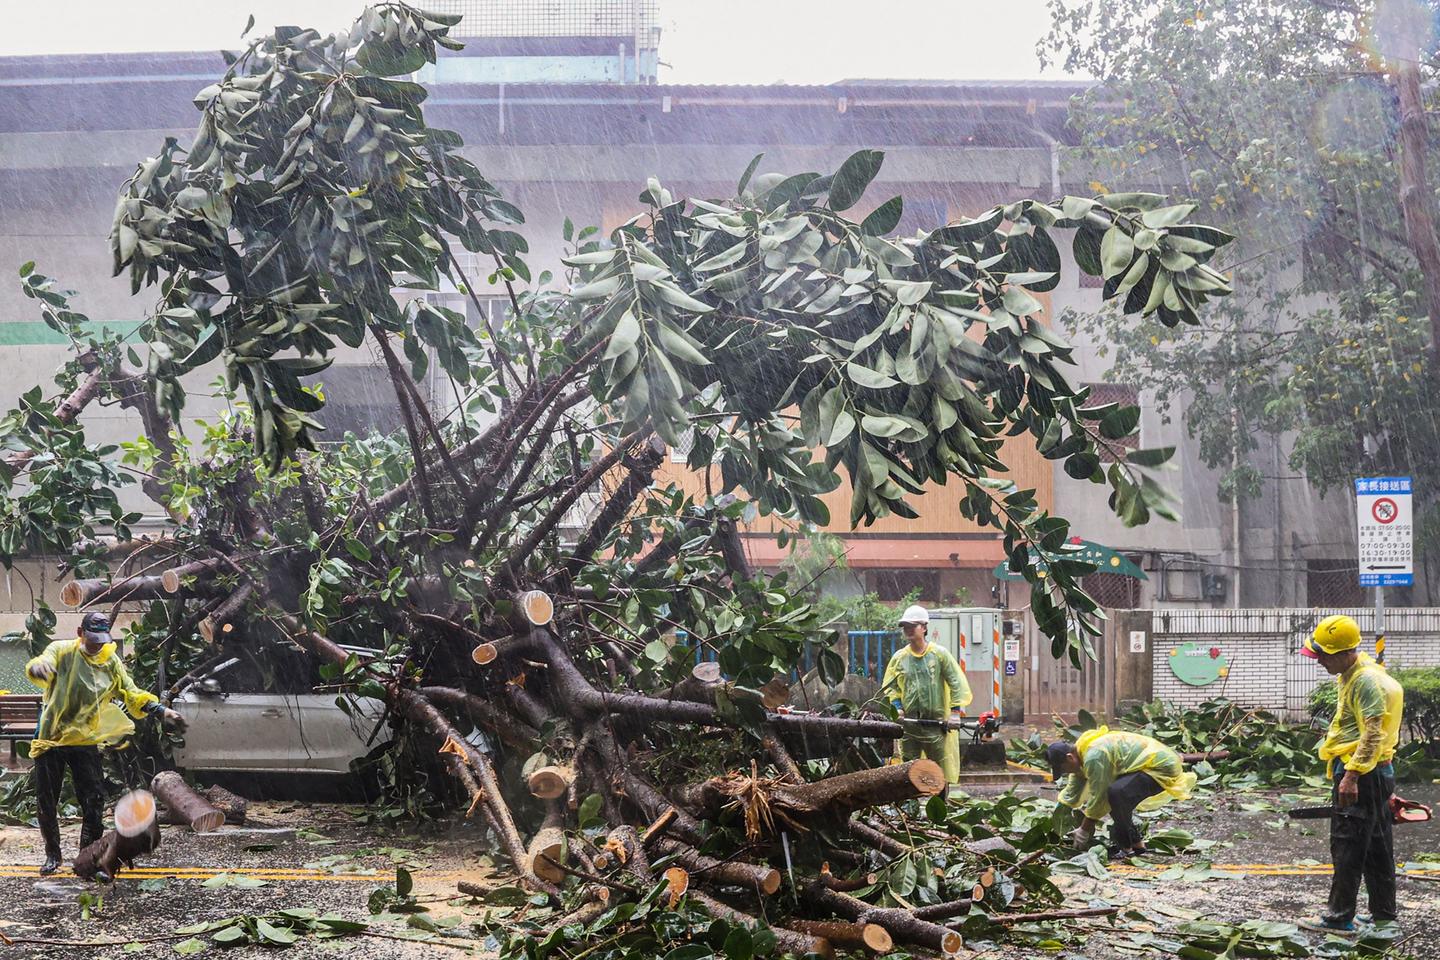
1214	586
973	636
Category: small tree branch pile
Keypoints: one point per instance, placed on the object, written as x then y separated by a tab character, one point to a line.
511	562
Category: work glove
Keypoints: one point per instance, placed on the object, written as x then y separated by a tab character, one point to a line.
42	671
1081	838
173	720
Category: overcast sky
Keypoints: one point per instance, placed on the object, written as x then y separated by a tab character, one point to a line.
703	41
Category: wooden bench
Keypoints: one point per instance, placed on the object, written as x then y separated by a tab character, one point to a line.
19	714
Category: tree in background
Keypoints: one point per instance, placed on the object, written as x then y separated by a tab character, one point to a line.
1293	118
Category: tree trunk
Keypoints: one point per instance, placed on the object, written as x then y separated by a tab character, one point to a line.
549	851
136	833
191	809
233	806
215	627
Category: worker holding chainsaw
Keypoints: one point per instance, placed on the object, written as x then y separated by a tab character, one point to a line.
1117	773
1357	750
924	684
81	677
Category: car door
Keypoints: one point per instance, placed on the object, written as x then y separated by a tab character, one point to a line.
259	712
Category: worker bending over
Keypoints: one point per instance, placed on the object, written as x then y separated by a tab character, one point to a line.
81	679
1117	773
1357	751
924	683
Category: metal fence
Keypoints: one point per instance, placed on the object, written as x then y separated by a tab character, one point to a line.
869	652
555	18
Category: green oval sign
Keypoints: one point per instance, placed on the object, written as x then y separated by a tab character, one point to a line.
1198	664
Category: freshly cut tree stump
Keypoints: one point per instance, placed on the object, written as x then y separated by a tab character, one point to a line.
234	807
137	832
550	782
191	809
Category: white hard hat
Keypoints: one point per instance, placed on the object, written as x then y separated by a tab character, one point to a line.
915	614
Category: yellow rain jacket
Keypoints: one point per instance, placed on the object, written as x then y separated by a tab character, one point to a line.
1366	726
1106	757
78	708
927	686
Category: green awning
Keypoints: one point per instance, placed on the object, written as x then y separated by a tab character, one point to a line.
1105	559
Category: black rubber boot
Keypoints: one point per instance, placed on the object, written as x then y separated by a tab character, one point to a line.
51	864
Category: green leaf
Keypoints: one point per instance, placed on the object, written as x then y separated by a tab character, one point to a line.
844	425
1150	457
192	946
831	667
589	811
853	177
624	337
883	426
883	218
937	810
1167	216
749	172
866	377
404	883
1116	250
357	550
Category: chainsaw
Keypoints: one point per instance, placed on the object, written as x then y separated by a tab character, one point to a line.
1401	810
981	728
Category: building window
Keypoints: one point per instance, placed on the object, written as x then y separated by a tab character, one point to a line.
1125	395
892	586
1333	583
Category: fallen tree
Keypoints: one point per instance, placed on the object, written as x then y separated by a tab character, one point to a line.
516	564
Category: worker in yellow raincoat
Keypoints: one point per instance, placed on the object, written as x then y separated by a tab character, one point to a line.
1357	750
924	683
81	678
1118	773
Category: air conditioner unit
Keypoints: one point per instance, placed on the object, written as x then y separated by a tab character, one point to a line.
1214	586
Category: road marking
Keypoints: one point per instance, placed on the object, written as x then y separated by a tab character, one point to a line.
1265	869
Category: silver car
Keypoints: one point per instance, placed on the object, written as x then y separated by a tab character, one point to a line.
259	713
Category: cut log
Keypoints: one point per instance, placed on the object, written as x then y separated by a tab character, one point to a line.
736	873
657	828
233	806
1053	915
549	851
174	578
943	911
790	941
136	833
901	924
214	627
536	607
80	593
550	782
844	933
193	810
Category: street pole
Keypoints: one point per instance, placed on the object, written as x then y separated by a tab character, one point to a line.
1380	624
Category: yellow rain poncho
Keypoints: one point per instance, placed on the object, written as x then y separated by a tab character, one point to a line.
927	686
1106	757
1366	726
78	708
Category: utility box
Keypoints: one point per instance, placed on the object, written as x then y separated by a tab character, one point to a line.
972	635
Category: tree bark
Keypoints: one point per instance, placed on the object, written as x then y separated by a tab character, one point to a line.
833	797
221	621
137	832
181	800
845	933
901	924
81	593
752	876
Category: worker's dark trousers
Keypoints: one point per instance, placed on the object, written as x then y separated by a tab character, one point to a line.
1362	845
1125	794
49	774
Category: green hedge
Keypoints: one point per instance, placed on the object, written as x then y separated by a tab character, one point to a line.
1422	716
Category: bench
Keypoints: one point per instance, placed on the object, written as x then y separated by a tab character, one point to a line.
19	714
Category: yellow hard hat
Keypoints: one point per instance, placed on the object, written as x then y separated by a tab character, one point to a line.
1334	634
